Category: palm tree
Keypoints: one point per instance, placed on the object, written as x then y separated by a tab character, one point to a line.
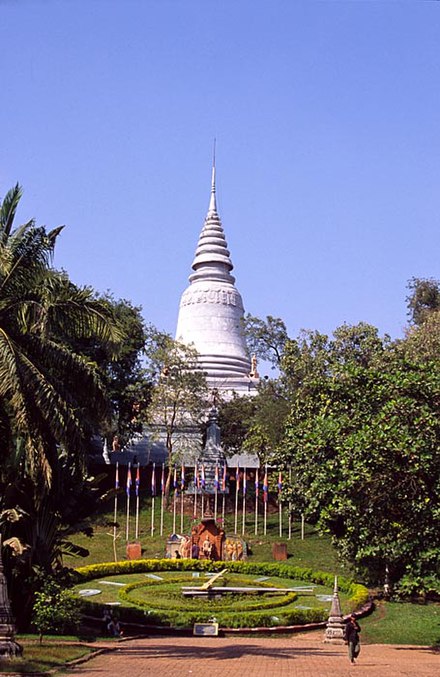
51	399
48	393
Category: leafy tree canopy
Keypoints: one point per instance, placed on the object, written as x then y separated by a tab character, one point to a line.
266	338
363	440
179	396
423	298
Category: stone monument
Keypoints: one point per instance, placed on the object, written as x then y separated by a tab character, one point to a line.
211	312
334	632
9	648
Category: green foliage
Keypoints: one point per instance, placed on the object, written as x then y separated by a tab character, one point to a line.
423	299
120	366
266	338
179	395
251	612
403	623
363	438
55	610
51	397
235	418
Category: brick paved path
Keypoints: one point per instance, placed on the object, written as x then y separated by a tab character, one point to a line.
297	656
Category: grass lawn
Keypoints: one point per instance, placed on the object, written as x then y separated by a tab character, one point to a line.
390	623
403	623
314	551
50	655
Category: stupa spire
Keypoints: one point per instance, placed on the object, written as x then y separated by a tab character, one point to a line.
212	209
211	309
212	258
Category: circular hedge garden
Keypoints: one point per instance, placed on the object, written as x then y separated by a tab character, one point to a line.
150	592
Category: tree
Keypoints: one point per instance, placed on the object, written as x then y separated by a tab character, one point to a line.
179	397
423	299
121	368
235	417
55	610
363	439
51	397
47	392
422	342
266	338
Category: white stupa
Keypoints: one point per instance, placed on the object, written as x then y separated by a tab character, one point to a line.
211	312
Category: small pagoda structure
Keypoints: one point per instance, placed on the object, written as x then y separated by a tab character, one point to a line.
9	648
334	632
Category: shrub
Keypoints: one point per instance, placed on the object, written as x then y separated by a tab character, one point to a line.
55	610
254	615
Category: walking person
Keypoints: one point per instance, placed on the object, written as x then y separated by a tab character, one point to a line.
352	631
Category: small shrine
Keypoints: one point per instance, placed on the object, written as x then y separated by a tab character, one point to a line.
234	549
207	540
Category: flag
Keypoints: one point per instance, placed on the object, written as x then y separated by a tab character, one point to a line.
224	478
280	483
237	480
175	485
117	476
257	484
265	486
216	481
182	478
138	480
196	476
203	476
153	480
128	489
162	479
244	482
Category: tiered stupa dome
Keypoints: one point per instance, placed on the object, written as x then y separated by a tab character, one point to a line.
211	311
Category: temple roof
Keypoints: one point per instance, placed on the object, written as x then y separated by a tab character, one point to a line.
212	258
211	310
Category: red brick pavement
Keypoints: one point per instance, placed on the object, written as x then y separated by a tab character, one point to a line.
302	655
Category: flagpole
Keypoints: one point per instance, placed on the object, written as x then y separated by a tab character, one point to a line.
182	487
290	504
203	492
237	489
216	493
256	501
162	488
280	507
137	501
115	515
128	501
244	502
153	496
174	500
224	494
265	491
196	472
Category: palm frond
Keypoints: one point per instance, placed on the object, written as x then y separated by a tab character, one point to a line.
8	210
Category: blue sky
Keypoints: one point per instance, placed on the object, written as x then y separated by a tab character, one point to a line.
326	116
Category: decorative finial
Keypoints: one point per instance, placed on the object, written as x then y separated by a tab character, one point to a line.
212	202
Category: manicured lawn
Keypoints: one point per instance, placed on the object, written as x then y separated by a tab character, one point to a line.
403	623
314	551
391	623
51	654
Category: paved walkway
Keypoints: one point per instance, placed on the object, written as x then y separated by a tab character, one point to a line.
297	656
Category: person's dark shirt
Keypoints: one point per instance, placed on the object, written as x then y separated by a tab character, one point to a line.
352	631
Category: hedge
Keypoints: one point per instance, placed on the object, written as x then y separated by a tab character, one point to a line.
358	594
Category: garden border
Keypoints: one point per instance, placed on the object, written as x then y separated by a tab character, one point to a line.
358	599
